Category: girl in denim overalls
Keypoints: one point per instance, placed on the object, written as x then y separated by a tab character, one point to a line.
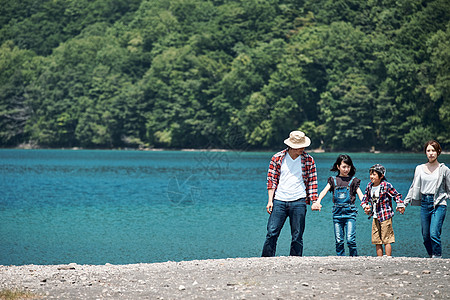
344	188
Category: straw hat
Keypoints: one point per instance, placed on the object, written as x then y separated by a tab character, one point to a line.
297	139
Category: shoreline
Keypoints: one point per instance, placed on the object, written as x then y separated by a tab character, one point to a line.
238	278
318	150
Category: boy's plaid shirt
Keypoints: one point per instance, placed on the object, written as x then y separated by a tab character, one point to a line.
308	171
384	210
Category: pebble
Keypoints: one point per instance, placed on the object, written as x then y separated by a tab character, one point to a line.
69	267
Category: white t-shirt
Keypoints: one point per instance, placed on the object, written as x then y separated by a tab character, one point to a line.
428	181
375	195
291	186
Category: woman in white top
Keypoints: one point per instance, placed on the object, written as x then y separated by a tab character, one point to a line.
431	190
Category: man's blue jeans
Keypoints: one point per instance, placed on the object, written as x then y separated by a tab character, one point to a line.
341	226
432	220
296	211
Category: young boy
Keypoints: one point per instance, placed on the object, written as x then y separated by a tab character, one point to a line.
379	193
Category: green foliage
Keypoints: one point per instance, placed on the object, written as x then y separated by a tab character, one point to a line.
438	88
353	74
348	108
417	137
16	72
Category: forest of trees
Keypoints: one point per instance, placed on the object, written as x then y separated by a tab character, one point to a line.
354	75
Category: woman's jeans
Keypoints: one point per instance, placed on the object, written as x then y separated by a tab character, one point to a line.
432	219
296	211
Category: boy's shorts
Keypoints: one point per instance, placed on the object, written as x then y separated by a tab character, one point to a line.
382	232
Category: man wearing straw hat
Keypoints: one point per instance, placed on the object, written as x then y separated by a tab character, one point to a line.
291	185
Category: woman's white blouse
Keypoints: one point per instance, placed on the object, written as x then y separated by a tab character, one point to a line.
428	181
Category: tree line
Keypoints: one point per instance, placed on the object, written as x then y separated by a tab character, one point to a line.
238	74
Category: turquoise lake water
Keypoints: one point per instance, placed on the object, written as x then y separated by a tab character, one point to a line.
120	207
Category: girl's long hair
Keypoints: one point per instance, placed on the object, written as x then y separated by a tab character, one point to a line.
346	159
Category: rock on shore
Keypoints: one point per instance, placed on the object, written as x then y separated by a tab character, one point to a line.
238	278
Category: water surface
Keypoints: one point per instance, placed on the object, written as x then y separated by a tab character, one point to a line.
119	207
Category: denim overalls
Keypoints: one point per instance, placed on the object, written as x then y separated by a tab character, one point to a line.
344	219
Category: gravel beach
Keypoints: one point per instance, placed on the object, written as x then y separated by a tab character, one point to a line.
238	278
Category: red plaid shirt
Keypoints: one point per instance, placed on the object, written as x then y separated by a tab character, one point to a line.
384	210
308	171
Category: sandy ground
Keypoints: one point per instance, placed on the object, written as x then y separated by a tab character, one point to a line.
239	278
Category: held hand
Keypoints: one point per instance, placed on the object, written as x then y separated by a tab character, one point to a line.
316	206
269	207
401	210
